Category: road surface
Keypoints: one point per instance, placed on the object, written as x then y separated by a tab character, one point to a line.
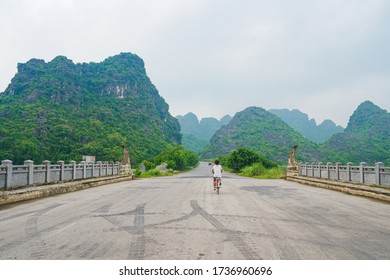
180	217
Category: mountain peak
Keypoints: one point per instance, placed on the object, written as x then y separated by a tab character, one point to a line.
368	118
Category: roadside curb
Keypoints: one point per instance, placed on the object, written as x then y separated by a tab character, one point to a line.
33	192
354	189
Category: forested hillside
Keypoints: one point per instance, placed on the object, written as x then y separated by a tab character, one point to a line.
60	111
263	132
366	138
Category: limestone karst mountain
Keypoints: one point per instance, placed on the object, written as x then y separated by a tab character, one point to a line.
60	110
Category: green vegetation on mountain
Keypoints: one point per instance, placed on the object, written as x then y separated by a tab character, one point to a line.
308	128
194	144
366	138
264	133
60	111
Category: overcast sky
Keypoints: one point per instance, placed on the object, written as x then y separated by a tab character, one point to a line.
217	57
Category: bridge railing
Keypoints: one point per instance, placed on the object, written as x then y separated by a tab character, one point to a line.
12	176
369	175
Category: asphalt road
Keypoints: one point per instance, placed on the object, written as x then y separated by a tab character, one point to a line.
180	217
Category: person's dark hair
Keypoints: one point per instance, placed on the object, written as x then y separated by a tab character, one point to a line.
216	161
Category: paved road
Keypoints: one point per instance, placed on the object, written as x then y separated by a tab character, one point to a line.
181	217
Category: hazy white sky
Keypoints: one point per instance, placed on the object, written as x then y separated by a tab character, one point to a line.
217	57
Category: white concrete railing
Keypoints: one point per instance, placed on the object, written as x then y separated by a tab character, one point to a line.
28	174
370	175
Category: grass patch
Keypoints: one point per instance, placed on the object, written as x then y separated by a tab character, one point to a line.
257	170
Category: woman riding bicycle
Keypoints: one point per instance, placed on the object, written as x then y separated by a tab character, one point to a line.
217	173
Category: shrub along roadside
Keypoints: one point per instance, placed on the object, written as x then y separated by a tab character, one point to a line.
176	158
248	163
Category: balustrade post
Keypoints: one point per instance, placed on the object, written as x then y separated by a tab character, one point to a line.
106	162
84	165
349	164
306	169
319	168
62	169
118	165
74	169
46	163
328	164
378	167
30	171
8	172
312	169
361	171
338	170
99	163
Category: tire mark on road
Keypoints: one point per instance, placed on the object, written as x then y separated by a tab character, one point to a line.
137	248
231	235
38	247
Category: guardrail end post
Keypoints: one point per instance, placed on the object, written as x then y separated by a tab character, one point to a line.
8	169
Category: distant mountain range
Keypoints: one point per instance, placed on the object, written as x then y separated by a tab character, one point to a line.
196	134
61	111
366	138
308	128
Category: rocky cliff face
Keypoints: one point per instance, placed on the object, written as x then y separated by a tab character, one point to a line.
61	110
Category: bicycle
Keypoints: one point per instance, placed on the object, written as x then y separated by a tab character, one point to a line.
217	184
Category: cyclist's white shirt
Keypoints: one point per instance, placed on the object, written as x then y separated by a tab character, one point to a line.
217	170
